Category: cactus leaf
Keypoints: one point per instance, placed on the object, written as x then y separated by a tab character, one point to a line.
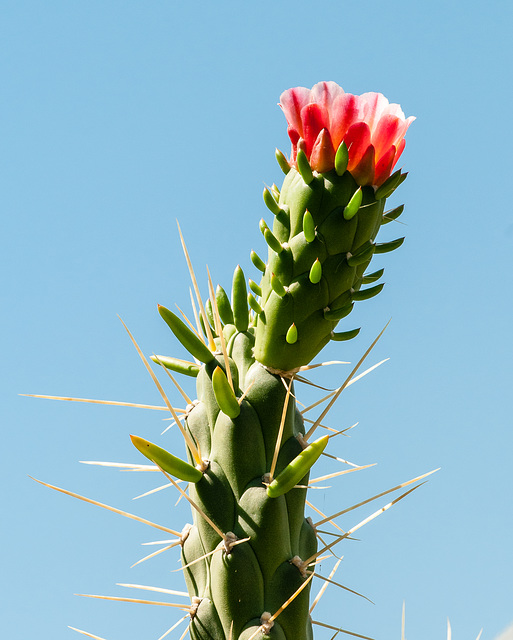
277	286
297	469
291	336
282	161
337	314
393	214
223	305
342	336
257	261
341	158
367	294
372	277
239	300
190	340
386	247
315	274
179	366
253	303
363	254
167	461
303	166
390	185
224	394
351	209
270	202
308	226
272	241
255	287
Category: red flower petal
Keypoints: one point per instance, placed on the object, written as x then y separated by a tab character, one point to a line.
387	131
344	112
314	119
384	166
292	101
357	139
363	173
400	149
374	106
324	93
323	155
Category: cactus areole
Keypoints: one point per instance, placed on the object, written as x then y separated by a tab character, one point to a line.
249	556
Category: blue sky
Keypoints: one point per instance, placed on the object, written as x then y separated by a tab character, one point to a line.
117	118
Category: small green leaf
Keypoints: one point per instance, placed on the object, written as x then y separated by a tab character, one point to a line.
303	166
189	339
393	214
315	274
272	241
223	305
270	202
363	254
167	461
239	301
291	336
353	205
297	469
277	286
372	277
257	261
254	304
334	315
282	161
255	287
341	158
224	395
179	366
386	247
342	336
308	226
367	294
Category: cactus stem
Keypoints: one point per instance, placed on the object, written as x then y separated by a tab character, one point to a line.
280	432
210	338
190	443
194	505
337	393
131	516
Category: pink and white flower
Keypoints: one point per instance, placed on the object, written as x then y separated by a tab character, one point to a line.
320	119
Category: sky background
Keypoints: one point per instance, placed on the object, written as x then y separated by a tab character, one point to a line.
116	119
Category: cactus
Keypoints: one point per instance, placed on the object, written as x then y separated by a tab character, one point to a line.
249	557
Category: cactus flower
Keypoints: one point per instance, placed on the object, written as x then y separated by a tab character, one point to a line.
320	119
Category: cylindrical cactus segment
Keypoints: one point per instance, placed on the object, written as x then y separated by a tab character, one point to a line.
239	577
325	233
